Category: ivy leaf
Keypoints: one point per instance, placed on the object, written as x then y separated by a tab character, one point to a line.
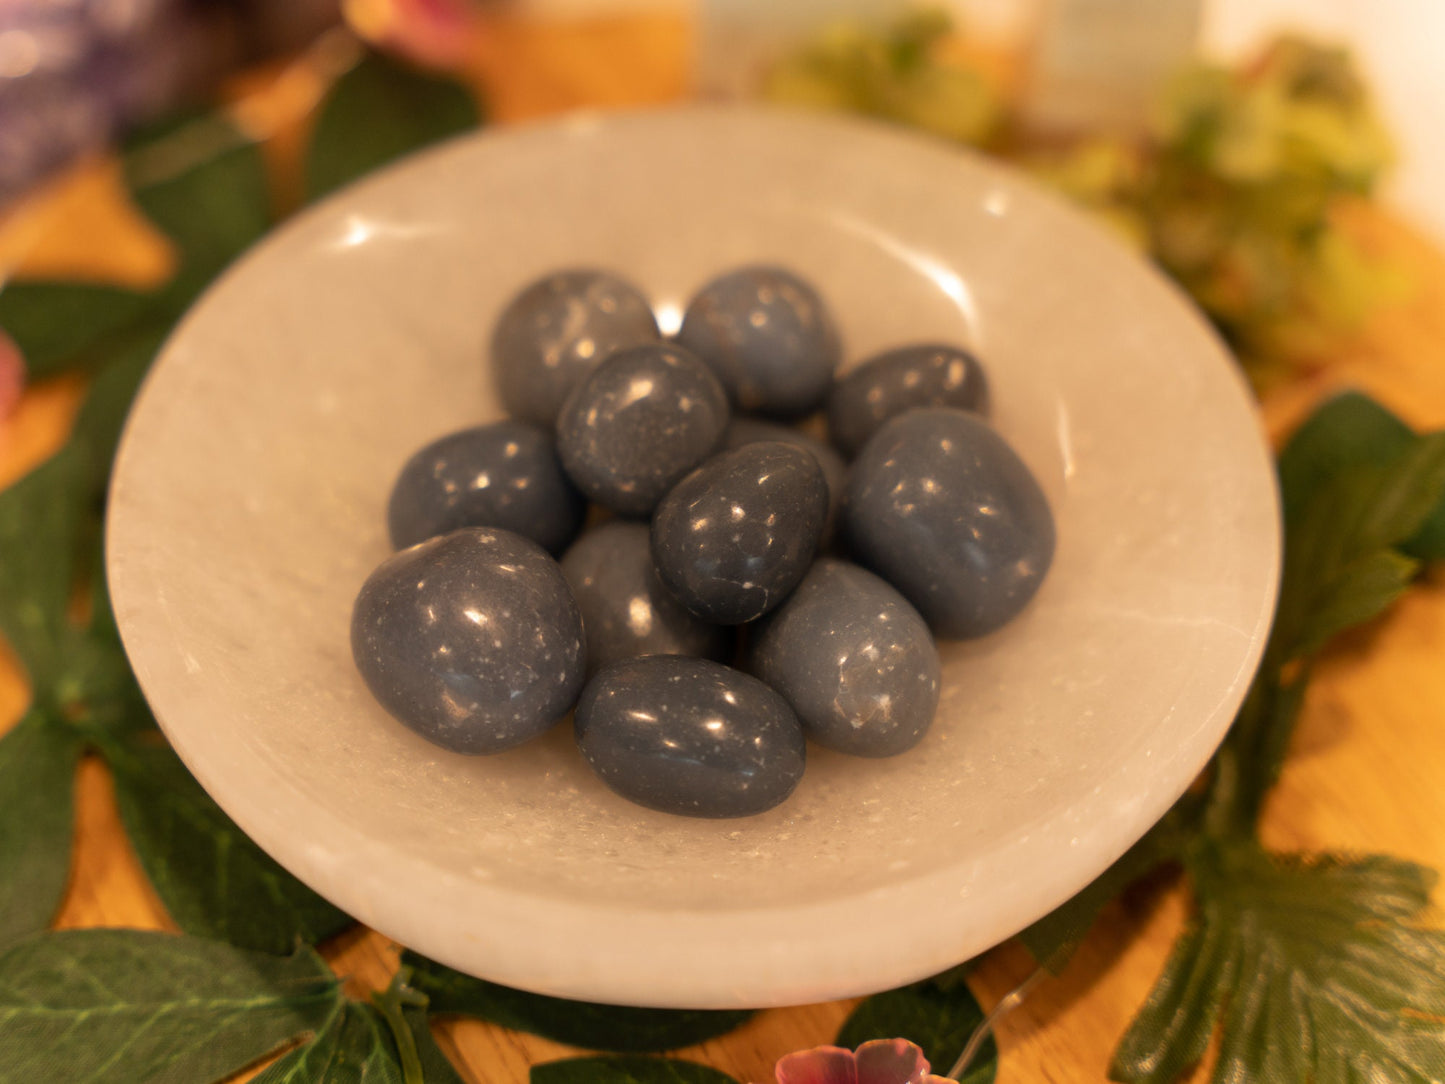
61	325
940	1021
96	1006
102	416
576	1023
202	181
214	880
42	516
37	777
627	1070
357	1047
378	111
1310	965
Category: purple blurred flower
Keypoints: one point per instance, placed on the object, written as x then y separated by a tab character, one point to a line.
76	73
881	1061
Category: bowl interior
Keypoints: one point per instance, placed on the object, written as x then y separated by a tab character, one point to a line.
248	507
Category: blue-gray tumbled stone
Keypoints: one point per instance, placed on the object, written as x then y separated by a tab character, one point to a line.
941	507
625	610
637	423
690	736
752	430
908	377
737	534
502	475
472	639
767	335
558	330
853	658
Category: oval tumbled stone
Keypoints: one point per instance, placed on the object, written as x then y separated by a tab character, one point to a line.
690	736
505	475
737	534
472	639
556	331
941	507
639	422
905	378
625	609
767	335
744	430
853	658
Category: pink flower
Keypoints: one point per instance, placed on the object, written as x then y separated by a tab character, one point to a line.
434	33
881	1061
12	375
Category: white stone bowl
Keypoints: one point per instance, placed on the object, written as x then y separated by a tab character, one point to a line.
248	507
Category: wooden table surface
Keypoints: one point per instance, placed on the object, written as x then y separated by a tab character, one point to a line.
1368	765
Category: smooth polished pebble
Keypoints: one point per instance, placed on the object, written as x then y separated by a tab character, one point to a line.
625	609
742	430
506	475
737	534
690	736
853	659
941	507
768	337
556	331
472	639
887	384
639	422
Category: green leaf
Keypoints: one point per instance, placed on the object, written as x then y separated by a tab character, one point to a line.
1363	590
202	181
214	881
107	404
626	1070
378	111
576	1023
42	517
357	1047
37	777
940	1021
99	1006
60	325
1347	431
1312	966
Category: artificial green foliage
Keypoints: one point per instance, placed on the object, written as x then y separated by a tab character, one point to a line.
938	1020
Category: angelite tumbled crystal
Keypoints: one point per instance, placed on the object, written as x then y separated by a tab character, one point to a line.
853	659
556	331
905	378
690	736
639	422
942	508
472	639
737	534
625	609
768	336
506	475
744	430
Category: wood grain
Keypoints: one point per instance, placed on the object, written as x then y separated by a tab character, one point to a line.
1369	758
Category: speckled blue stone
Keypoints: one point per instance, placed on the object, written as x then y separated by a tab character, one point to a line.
556	331
637	423
887	384
853	658
625	610
737	534
752	430
690	736
503	475
941	507
472	639
768	336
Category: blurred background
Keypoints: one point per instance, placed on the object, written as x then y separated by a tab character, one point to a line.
73	73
